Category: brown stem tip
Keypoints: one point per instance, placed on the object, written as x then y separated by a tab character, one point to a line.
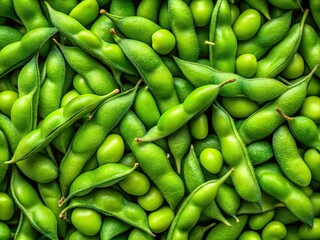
112	31
103	11
283	114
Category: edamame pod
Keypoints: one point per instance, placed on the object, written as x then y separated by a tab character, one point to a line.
269	34
235	155
263	122
108	53
191	208
111	202
55	123
160	170
183	28
25	230
134	27
257	89
8	35
97	77
288	157
112	227
177	116
273	182
104	176
20	52
4	155
94	131
274	63
28	200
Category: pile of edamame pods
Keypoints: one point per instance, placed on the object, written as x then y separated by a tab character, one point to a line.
160	119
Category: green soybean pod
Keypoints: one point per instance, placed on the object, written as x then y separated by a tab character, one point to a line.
183	28
191	171
51	194
200	74
191	208
32	17
7	10
112	227
288	157
305	232
109	53
231	206
199	231
286	4
97	77
103	176
310	43
134	27
222	232
261	6
4	154
23	50
149	9
314	8
212	211
63	140
56	122
260	151
25	230
273	63
159	173
99	27
94	131
259	44
292	232
27	199
183	88
259	220
146	107
52	86
263	122
85	11
285	216
273	182
235	155
160	80
196	103
122	7
274	229
8	35
164	16
111	202
223	42
24	110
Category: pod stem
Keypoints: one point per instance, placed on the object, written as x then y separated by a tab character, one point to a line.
283	114
209	43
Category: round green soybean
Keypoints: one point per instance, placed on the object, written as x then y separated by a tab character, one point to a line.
5	232
7	206
136	184
160	219
152	200
86	221
211	159
111	150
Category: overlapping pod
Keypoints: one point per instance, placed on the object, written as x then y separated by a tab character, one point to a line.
51	89
266	120
103	176
111	202
134	27
222	54
177	116
97	77
22	51
4	155
159	79
159	170
288	157
269	34
191	208
274	63
95	132
28	200
273	182
55	123
108	53
235	155
257	89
